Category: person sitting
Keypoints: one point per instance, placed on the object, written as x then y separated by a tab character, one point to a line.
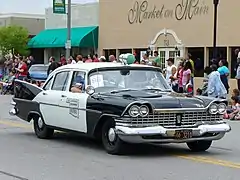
78	85
234	112
7	81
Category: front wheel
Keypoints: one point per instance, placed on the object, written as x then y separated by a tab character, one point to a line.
40	128
111	142
199	146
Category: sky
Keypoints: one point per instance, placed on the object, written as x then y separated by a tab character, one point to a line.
31	6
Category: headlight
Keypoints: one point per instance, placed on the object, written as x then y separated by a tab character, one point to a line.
222	108
213	109
134	111
144	110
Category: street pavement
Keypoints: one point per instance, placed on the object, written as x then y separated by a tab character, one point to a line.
72	157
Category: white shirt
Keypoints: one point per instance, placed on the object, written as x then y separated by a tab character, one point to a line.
73	62
169	73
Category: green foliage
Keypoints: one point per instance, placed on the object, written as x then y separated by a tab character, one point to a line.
14	39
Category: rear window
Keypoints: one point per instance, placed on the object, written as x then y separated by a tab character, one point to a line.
38	68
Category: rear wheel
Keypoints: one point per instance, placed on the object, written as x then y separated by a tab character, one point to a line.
111	142
199	146
40	128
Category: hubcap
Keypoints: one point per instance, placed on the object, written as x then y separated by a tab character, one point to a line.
111	135
40	123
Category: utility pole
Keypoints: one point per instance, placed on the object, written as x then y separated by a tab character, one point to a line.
69	20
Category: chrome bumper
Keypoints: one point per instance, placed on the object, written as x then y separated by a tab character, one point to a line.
136	135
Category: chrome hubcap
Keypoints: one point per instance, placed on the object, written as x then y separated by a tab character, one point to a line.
40	123
111	135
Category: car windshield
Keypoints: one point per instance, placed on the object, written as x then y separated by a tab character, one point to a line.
38	68
128	79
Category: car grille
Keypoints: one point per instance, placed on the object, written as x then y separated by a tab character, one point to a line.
189	119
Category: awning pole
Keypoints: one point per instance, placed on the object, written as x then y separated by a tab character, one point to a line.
94	46
68	43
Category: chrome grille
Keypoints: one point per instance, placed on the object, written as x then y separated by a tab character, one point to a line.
189	119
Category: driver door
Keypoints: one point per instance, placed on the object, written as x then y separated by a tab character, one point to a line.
73	105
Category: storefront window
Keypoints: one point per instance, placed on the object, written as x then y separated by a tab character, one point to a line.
198	58
139	53
125	51
233	61
162	56
108	52
221	54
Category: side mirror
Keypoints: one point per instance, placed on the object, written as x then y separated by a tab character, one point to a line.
90	90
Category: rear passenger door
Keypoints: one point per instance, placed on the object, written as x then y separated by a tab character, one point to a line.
51	98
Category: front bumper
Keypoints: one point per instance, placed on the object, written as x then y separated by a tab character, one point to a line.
159	134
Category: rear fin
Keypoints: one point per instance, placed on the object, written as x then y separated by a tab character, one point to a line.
25	90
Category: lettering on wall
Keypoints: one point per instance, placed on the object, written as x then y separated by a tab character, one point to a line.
185	10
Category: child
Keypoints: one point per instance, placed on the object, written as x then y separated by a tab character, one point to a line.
234	112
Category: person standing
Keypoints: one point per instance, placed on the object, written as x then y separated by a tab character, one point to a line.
189	58
186	78
89	59
112	58
237	53
156	61
53	65
22	70
95	58
171	72
215	87
224	73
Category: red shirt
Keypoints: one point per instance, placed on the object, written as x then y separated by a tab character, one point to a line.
96	60
25	70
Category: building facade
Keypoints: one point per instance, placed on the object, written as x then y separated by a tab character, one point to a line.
83	15
33	23
173	28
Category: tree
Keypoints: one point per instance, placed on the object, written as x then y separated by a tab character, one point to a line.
14	39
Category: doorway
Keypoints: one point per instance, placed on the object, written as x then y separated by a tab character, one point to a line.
165	54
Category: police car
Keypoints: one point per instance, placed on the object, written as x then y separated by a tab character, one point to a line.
120	105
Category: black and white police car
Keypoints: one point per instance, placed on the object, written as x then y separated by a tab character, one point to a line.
120	105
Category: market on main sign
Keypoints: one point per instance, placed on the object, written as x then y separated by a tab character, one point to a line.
185	10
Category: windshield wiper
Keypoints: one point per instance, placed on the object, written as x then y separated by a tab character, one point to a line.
156	89
122	90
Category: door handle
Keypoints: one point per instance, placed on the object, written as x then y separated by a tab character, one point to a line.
63	96
44	93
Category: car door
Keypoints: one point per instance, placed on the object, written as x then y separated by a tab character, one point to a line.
51	96
73	105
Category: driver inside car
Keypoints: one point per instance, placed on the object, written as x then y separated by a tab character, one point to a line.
77	85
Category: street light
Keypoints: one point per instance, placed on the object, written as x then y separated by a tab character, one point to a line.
68	43
215	3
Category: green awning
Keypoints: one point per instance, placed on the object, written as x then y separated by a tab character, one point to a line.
53	38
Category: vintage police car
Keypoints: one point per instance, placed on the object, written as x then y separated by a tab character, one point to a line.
120	105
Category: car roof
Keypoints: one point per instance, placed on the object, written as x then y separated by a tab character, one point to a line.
96	65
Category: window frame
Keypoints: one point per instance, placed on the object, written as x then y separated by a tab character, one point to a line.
49	80
68	78
72	78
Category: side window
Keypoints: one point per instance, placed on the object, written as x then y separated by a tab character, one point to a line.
78	82
60	81
47	86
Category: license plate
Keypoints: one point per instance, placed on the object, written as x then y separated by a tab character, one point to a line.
183	134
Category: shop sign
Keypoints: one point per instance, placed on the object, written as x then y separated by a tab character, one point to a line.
59	7
185	10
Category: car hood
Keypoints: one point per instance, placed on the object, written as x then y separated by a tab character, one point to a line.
160	100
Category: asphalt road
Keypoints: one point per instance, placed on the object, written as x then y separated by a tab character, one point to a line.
70	157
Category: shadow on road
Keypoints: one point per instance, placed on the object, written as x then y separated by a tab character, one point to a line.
71	139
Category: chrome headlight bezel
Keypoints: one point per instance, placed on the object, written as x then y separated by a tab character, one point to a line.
132	109
222	107
211	107
141	110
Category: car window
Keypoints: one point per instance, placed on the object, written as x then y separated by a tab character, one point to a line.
60	81
47	86
78	82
